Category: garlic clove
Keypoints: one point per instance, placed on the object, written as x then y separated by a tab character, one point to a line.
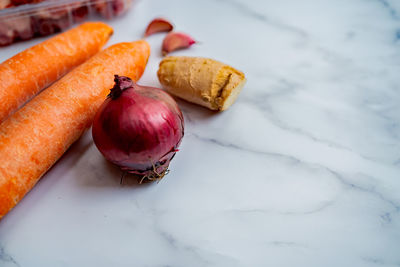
176	40
158	25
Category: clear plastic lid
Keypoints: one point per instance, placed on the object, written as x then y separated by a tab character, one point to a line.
26	19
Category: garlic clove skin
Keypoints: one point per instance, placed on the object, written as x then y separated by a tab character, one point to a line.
176	40
158	25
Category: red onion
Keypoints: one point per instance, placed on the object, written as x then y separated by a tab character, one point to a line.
138	128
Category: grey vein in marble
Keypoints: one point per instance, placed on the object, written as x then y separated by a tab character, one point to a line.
294	160
392	11
6	258
247	11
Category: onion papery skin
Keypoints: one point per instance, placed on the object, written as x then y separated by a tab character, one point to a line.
138	128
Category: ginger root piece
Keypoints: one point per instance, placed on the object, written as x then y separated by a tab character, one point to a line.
202	81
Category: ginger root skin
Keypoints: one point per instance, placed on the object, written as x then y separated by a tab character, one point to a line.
202	81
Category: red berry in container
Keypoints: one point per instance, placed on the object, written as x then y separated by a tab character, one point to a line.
80	13
50	21
110	9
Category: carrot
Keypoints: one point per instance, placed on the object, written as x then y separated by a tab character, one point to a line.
36	136
25	74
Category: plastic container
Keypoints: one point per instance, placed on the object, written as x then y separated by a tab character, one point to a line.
26	19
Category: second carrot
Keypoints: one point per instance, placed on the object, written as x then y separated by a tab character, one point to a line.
25	74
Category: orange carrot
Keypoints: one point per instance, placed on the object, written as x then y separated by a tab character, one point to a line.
25	74
36	136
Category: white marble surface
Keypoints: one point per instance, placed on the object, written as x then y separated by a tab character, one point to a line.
303	170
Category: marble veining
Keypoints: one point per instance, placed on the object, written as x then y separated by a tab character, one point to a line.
303	170
6	258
